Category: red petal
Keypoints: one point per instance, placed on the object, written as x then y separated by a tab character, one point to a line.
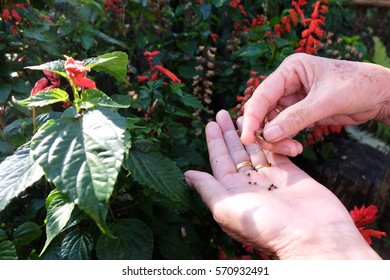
39	86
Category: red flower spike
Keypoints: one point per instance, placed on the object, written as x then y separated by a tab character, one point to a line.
142	79
168	73
362	218
76	71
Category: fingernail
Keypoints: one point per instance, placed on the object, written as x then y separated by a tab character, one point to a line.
273	133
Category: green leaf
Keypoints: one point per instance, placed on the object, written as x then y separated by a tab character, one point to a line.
205	10
218	3
134	241
44	98
17	173
380	53
253	50
57	66
149	167
82	156
77	245
192	101
59	212
114	64
5	91
26	233
3	235
94	97
7	251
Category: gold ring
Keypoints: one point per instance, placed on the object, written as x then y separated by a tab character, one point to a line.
243	164
260	166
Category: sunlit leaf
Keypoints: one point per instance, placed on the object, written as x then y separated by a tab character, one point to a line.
93	97
59	211
82	156
114	64
44	98
57	66
17	173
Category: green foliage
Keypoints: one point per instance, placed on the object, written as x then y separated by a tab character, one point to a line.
380	54
100	170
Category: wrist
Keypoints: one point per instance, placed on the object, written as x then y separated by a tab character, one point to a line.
383	89
343	243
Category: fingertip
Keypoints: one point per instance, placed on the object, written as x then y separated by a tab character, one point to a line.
249	125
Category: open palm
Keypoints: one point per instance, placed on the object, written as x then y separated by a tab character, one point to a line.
279	209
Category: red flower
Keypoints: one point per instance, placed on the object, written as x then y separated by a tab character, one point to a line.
76	71
362	218
214	37
168	73
5	15
142	79
42	84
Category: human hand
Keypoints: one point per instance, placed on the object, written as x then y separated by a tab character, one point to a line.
278	209
310	90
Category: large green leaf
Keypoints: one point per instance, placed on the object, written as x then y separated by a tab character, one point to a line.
57	66
77	245
59	212
44	98
114	64
134	241
149	167
93	97
7	250
25	233
82	156
17	173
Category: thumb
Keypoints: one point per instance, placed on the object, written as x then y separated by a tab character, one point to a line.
295	118
206	185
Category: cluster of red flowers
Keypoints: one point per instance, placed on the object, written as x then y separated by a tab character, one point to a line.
155	70
113	5
43	83
362	218
248	253
77	72
12	16
309	43
251	84
247	23
317	133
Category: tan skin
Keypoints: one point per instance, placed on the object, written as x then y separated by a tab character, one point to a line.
300	219
310	90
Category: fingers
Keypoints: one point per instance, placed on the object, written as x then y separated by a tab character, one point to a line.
288	147
233	143
266	96
254	150
295	118
207	186
220	159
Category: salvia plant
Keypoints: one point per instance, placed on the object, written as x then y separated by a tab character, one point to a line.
76	157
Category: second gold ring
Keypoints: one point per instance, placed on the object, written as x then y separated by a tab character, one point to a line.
259	166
